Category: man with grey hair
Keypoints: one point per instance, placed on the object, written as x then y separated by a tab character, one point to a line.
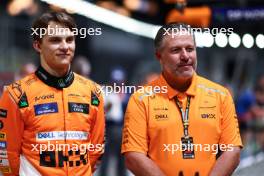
179	132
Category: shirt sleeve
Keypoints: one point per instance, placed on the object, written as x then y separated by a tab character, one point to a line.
11	133
135	136
229	124
97	133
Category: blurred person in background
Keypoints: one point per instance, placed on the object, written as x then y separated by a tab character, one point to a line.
82	66
151	76
192	111
256	109
249	101
257	139
25	70
5	79
250	105
52	121
115	103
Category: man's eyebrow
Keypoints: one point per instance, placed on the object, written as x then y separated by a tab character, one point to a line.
70	36
54	37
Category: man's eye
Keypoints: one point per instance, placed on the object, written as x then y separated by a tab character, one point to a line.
175	50
70	39
189	49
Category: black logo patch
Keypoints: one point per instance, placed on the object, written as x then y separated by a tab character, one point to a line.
78	107
3	113
59	159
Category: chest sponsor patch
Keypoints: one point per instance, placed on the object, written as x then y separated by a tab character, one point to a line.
3	113
208	116
44	97
160	108
62	135
159	117
78	107
2	144
46	108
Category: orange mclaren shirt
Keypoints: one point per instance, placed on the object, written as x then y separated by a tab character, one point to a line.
48	131
153	125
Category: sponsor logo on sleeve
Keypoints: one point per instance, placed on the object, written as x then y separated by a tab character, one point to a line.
3	153
94	99
3	113
4	162
62	135
2	136
5	170
46	108
23	102
2	144
78	107
1	124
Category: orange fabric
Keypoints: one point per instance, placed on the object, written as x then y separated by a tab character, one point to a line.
153	120
28	126
195	16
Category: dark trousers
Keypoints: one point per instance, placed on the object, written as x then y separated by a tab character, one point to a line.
113	149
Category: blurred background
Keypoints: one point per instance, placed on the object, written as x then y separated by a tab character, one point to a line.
124	53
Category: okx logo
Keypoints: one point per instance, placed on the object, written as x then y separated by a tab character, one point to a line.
208	116
58	159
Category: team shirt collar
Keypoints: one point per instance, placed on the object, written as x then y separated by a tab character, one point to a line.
56	82
172	92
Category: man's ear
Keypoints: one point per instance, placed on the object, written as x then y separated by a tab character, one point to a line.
36	46
158	55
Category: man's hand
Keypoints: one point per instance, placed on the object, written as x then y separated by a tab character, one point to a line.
140	165
226	163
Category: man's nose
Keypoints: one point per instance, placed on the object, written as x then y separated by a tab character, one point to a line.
64	45
184	55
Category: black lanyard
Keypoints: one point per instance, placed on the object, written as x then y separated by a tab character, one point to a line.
184	115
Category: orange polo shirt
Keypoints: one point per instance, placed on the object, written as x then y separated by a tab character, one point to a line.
153	125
